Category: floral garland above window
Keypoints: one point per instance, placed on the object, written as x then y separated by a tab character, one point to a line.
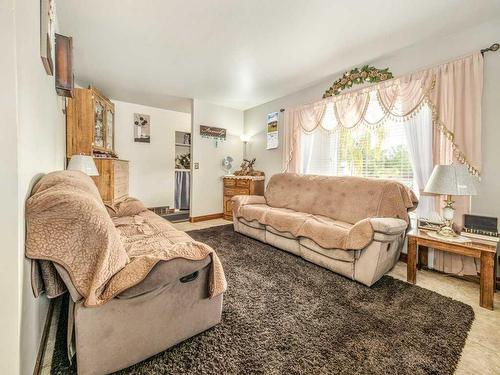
358	76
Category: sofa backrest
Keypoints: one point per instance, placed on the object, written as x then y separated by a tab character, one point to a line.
347	199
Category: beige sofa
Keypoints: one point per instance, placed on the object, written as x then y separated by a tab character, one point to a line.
137	285
350	225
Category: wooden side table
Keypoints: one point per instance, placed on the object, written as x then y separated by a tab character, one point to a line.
240	185
486	252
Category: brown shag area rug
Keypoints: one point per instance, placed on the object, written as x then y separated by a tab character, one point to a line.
283	315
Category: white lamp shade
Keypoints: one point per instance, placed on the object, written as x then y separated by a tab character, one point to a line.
245	138
84	164
451	180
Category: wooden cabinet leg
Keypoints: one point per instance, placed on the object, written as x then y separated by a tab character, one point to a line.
411	265
487	283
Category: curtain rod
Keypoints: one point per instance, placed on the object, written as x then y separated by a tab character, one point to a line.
493	48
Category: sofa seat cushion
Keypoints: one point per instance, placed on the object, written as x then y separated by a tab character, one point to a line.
252	212
338	254
281	219
286	220
279	233
335	234
253	224
326	232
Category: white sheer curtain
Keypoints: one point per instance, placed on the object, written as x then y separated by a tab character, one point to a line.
418	131
307	146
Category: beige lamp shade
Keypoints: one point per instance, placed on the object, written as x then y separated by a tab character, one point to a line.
451	180
84	164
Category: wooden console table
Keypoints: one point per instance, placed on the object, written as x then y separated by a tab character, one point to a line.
485	252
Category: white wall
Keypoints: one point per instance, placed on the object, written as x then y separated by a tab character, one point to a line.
41	149
410	59
32	117
206	189
151	173
9	219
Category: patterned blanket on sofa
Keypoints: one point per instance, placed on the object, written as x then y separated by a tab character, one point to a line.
104	252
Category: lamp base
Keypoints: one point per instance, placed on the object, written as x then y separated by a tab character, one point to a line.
447	231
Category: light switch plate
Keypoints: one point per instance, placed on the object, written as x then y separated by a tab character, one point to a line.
196	165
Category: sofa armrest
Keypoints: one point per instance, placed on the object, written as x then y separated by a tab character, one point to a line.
243	200
388	225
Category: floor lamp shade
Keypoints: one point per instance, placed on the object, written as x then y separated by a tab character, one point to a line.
84	164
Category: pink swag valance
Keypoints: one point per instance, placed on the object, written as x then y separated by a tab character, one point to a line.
452	91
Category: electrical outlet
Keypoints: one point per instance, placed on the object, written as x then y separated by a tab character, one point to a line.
196	165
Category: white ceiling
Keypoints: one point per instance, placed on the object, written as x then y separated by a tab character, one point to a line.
241	53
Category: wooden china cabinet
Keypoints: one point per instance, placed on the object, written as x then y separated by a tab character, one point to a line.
90	130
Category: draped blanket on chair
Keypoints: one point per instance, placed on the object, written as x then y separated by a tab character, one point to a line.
452	92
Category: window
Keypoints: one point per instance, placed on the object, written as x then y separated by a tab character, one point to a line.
364	151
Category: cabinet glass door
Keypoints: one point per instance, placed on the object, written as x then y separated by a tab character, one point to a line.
110	124
99	125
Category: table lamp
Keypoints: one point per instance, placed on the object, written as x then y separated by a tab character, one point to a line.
450	180
83	163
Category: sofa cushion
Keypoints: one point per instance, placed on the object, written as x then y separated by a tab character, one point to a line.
128	207
281	219
339	254
252	212
279	233
330	233
285	220
348	199
253	224
326	232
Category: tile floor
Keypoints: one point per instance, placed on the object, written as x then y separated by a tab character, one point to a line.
481	354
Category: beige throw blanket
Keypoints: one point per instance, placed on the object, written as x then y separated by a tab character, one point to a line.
67	223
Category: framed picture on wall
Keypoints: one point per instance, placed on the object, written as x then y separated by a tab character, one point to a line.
272	130
142	128
47	34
